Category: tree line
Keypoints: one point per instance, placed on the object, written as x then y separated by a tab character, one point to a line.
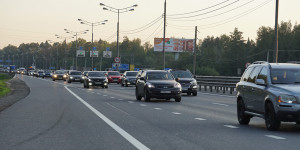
222	55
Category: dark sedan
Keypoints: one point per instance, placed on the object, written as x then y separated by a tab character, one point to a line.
157	84
188	83
74	76
58	75
129	78
95	78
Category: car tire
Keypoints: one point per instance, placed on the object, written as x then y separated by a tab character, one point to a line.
106	87
188	93
178	99
122	84
137	96
195	93
272	123
146	96
168	99
69	81
53	79
126	85
242	117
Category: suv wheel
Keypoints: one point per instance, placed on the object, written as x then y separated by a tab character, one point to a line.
178	99
270	118
84	86
195	93
242	117
146	96
137	95
69	81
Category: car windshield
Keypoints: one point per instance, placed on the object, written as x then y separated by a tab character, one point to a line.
159	76
113	73
59	72
285	76
96	74
182	74
131	73
75	73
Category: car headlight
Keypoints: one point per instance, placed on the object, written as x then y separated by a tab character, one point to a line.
284	98
150	85
90	80
71	77
65	76
55	76
177	85
194	82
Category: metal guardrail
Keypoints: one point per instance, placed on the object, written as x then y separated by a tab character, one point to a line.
219	83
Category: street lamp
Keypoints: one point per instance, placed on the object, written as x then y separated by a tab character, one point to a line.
92	24
116	10
62	37
75	34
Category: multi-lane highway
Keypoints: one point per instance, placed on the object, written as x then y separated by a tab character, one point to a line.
58	115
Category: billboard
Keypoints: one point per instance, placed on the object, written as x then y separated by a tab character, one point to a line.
174	45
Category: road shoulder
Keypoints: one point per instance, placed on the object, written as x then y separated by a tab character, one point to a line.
19	90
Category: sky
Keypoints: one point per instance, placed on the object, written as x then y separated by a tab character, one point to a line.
26	21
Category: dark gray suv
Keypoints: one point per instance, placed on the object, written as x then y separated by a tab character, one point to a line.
270	91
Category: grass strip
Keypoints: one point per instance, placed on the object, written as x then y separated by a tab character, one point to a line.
3	88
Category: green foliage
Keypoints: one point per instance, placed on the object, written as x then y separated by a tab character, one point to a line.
222	55
3	89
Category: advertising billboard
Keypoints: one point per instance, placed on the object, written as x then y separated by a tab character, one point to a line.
174	45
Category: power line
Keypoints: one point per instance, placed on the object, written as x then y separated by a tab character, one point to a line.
133	30
199	10
143	29
154	31
176	18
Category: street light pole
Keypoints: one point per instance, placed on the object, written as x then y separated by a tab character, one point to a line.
61	37
118	11
275	53
76	33
92	24
164	38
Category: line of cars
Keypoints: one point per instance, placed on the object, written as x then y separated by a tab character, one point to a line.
149	84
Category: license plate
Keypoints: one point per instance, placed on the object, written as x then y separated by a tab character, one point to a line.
98	82
115	79
165	91
77	79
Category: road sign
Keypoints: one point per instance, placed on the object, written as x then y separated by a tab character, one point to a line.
94	48
107	54
93	53
80	53
121	66
107	48
80	47
117	60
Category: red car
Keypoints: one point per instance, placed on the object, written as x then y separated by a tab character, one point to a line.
114	77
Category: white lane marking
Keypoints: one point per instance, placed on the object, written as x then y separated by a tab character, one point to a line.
201	119
99	93
176	113
122	132
275	137
104	95
157	108
116	108
230	126
93	92
112	97
217	94
120	99
130	102
143	105
221	104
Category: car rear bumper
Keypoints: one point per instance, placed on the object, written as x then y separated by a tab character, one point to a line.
156	93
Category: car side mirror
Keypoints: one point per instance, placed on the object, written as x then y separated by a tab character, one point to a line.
260	82
176	79
142	78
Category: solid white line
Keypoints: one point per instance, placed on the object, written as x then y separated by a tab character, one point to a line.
220	104
201	119
176	113
158	108
275	137
230	126
122	132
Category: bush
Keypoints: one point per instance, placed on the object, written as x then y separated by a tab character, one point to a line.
206	71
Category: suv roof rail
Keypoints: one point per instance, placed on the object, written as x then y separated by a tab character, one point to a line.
260	62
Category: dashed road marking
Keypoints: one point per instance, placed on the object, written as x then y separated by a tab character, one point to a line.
120	99
230	126
201	119
112	97
143	105
157	108
275	137
221	104
176	113
130	102
104	95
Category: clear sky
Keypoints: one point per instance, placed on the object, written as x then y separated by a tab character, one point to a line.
26	21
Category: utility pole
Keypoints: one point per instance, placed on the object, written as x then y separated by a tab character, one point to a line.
195	53
164	39
275	53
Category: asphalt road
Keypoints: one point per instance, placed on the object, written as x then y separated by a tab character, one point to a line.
58	115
